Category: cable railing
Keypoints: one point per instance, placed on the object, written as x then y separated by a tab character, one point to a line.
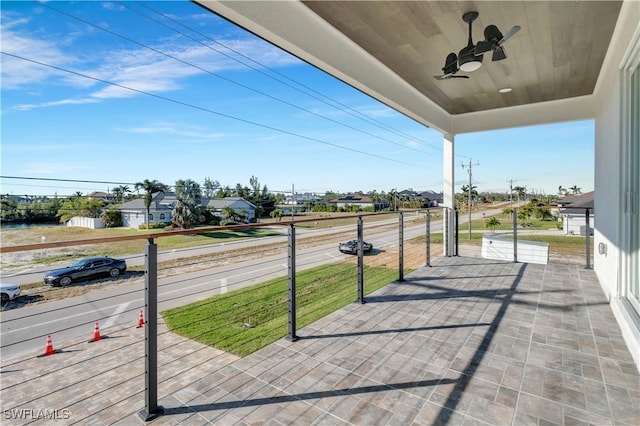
235	301
513	239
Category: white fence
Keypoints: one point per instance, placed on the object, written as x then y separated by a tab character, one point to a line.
500	248
86	222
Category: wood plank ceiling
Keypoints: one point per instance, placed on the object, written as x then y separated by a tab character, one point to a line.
557	54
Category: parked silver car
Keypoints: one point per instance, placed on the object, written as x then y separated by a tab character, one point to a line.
351	247
9	292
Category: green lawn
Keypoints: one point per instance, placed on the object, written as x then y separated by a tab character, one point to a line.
245	320
12	237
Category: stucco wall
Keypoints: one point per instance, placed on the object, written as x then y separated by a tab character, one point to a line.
608	186
608	152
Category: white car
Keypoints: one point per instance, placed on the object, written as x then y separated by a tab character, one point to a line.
9	292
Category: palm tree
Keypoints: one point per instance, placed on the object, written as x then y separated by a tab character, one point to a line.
492	223
210	187
188	208
229	213
150	187
276	214
575	190
521	192
465	193
120	192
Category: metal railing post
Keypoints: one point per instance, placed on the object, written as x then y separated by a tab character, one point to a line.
515	235
360	262
588	238
446	235
151	410
456	233
401	247
291	293
428	220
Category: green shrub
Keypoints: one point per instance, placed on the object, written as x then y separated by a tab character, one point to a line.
229	222
155	225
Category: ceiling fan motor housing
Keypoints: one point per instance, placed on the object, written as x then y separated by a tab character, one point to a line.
467	58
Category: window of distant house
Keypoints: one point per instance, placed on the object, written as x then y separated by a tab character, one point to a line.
150	216
161	216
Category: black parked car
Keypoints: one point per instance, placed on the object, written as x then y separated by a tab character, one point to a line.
351	247
85	269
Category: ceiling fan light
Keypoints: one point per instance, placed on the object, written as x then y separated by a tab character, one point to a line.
468	60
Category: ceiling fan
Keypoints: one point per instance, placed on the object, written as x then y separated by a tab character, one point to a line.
470	57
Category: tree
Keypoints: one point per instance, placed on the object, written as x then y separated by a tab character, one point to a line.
79	207
561	190
121	192
9	208
188	208
524	215
465	193
255	186
210	187
276	214
229	213
543	213
521	193
575	190
492	223
111	217
150	187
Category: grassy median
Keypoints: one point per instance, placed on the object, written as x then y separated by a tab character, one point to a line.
245	320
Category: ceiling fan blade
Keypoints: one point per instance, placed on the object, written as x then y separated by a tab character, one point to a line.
509	34
498	54
448	76
451	64
483	47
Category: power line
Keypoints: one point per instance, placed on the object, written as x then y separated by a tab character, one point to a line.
225	78
345	108
231	117
67	180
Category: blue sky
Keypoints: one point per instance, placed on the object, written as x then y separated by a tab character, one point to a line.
122	92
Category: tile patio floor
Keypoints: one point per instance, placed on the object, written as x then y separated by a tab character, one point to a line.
467	341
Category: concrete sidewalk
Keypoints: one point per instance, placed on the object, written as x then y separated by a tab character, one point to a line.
467	341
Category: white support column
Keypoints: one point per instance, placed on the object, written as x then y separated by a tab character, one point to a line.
449	192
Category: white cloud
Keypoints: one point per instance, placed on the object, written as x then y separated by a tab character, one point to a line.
139	68
171	129
26	107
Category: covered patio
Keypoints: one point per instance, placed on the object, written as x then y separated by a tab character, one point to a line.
466	341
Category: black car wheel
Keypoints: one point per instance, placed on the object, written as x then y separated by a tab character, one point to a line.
114	272
4	298
65	281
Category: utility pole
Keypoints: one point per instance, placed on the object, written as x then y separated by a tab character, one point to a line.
469	168
511	191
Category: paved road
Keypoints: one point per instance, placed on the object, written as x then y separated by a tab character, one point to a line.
35	273
23	331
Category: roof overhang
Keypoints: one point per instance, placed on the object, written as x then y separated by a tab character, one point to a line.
298	29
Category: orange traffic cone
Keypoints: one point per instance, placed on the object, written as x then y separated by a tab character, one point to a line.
96	333
48	350
140	320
